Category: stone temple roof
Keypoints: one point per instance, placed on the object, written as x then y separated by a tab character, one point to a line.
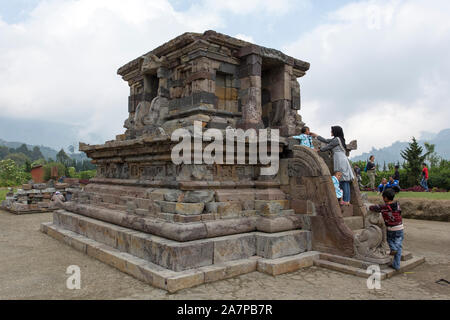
236	46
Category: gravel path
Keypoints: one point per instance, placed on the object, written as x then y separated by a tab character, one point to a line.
33	266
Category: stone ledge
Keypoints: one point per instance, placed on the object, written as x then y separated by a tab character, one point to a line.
287	264
187	231
148	272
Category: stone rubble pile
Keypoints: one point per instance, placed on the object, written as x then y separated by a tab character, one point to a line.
36	197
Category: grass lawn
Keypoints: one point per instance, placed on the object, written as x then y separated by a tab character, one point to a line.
416	195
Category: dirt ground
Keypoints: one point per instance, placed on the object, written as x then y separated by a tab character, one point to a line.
33	266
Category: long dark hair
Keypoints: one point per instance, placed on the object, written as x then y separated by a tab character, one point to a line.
339	133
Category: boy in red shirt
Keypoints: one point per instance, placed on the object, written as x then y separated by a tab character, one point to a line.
392	215
424	182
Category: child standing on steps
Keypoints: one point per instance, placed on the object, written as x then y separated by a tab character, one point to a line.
337	187
305	138
392	215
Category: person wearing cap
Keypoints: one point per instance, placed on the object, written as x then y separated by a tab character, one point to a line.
58	198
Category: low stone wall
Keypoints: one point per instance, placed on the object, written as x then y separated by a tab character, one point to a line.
437	210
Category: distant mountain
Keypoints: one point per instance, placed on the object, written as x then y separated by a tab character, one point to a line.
391	154
47	152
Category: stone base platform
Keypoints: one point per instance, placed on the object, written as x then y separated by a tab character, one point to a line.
173	265
230	255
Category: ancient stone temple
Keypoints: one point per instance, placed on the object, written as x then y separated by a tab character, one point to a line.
177	225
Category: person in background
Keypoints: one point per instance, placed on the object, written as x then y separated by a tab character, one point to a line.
396	175
358	176
393	184
340	160
371	171
58	198
392	216
336	177
383	185
305	138
424	182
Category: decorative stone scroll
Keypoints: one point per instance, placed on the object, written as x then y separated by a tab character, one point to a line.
371	244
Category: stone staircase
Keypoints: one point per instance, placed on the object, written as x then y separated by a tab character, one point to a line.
359	268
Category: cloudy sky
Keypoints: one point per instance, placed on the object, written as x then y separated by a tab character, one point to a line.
380	69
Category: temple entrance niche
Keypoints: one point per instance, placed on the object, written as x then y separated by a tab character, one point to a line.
273	95
150	87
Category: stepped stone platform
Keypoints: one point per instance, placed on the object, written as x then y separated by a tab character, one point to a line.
173	265
177	224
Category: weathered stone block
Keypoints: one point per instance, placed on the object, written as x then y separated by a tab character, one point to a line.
186	279
141	212
199	196
259	204
270	208
131	207
223	195
166	206
214	273
143	203
189	208
282	244
173	195
287	264
270	194
248	205
229	209
156	194
234	248
236	268
303	206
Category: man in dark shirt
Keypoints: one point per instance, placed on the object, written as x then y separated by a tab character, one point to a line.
396	173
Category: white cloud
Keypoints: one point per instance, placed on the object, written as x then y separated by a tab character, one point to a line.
380	69
60	64
240	7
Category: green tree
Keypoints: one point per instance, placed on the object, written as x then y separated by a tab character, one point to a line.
18	158
4	151
432	156
27	166
11	174
63	158
413	161
23	149
36	154
72	172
